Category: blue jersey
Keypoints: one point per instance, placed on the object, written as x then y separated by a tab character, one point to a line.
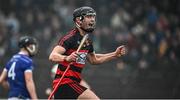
16	68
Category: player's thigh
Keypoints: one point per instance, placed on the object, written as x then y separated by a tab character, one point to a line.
88	94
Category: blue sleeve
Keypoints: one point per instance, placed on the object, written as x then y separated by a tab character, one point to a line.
8	65
28	66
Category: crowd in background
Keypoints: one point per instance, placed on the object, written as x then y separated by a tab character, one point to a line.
149	28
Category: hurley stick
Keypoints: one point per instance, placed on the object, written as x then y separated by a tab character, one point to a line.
55	88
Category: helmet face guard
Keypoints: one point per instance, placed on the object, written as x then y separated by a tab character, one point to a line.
30	44
81	13
32	49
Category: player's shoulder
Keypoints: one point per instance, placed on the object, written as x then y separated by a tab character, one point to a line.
19	60
70	34
69	37
23	58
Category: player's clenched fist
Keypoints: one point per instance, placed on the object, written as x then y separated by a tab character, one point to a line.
72	57
120	51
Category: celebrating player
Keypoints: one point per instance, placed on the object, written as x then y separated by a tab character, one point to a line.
18	71
65	53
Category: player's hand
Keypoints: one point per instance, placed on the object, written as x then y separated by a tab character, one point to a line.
5	85
120	51
72	57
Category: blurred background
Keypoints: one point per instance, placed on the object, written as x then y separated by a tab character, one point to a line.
149	28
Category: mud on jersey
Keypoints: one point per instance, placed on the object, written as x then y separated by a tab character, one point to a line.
71	42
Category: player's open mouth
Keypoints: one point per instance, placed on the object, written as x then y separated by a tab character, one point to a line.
91	24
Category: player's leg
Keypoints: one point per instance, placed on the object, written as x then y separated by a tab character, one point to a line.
85	84
88	94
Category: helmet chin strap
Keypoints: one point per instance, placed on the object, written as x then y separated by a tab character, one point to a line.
77	25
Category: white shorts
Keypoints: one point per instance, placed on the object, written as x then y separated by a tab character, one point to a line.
16	98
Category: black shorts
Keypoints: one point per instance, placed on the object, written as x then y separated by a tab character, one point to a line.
69	91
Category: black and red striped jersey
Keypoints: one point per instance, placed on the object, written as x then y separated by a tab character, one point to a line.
71	42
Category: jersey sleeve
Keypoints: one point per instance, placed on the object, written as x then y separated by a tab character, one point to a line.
65	42
91	49
7	66
28	67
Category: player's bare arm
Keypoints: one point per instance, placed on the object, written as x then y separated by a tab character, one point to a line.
2	79
57	55
101	58
3	76
30	85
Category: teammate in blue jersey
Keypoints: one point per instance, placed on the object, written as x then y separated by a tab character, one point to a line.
18	71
